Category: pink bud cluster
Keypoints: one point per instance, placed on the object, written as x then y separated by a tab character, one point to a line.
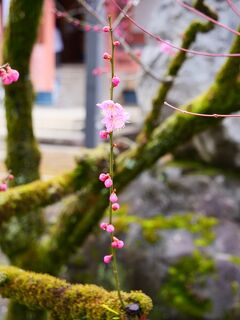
107	227
106	179
114	117
8	75
4	183
116	244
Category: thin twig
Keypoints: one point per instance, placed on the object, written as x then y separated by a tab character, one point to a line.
233	7
204	16
215	115
121	15
194	52
125	46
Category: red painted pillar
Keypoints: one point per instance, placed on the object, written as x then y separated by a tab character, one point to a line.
43	56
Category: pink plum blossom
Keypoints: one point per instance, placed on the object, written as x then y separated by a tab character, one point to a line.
103	134
103	226
114	114
115	206
116	43
9	75
3	187
106	29
110	228
6	80
115	81
14	74
107	56
117	244
108	182
103	177
107	227
113	197
10	176
107	259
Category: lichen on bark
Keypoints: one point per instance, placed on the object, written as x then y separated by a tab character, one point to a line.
63	300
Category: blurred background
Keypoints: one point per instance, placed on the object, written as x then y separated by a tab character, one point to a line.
180	219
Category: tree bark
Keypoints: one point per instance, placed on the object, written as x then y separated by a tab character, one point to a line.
63	300
23	156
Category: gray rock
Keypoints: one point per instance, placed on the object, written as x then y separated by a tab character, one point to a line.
216	196
145	265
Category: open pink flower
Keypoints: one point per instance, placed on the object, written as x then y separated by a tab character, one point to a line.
114	115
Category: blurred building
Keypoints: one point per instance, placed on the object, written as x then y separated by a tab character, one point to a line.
60	42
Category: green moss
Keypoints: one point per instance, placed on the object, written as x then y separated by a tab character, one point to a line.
65	301
235	260
199	225
178	291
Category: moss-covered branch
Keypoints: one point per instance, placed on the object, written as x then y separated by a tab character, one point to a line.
19	37
23	199
63	300
189	36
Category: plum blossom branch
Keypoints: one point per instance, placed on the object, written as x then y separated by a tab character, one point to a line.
114	118
159	39
117	21
152	119
214	115
202	15
146	69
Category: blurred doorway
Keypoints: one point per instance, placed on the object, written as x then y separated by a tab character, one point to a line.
72	36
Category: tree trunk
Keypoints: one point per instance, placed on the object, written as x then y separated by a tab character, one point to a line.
23	156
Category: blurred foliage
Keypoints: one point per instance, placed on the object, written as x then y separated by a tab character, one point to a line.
197	224
179	290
